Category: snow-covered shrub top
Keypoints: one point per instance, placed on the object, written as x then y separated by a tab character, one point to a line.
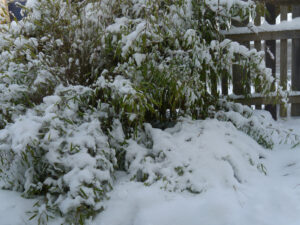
258	124
157	58
78	80
191	156
58	148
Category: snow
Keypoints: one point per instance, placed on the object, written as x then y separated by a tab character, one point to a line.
129	39
267	203
139	58
24	130
224	162
13	208
198	172
234	191
117	26
271	199
123	85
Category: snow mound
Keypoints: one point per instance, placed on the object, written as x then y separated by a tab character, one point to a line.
269	202
13	208
224	162
195	156
224	165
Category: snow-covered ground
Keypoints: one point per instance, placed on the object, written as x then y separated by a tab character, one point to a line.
224	164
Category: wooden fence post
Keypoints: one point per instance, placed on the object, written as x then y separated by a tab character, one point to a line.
270	52
295	110
283	59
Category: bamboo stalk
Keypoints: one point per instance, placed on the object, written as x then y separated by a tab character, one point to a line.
283	60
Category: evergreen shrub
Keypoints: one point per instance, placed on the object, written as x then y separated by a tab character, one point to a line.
78	79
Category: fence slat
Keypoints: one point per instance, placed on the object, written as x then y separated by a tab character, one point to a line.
257	46
295	109
224	84
214	85
239	74
270	47
283	60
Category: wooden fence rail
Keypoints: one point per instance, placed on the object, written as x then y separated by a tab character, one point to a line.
269	35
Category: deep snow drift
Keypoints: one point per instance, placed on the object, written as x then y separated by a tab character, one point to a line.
237	181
